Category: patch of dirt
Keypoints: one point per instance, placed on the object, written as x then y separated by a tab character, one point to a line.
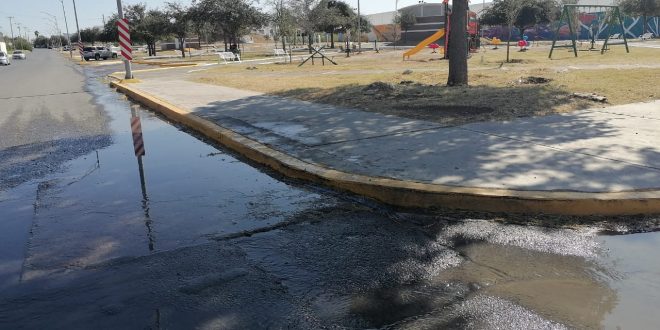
379	87
533	80
449	110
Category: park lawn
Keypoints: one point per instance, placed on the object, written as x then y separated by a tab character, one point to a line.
495	91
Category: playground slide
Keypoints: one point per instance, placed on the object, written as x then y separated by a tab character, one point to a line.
425	43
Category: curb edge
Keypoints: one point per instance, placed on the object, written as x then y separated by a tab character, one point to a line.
408	194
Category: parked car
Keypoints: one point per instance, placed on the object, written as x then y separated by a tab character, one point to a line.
115	51
96	53
18	55
66	48
4	60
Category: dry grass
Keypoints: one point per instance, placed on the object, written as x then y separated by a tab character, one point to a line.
494	91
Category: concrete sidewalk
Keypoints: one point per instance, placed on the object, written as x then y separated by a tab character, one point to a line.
601	150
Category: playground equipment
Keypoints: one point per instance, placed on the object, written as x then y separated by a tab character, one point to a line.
433	38
317	52
611	19
472	29
496	42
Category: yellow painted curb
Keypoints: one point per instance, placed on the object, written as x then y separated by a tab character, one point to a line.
410	194
177	65
129	81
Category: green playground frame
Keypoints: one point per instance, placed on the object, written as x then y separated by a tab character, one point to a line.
612	17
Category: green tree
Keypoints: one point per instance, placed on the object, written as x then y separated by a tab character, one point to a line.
147	26
109	33
53	40
405	20
41	42
90	35
21	43
644	8
178	17
234	18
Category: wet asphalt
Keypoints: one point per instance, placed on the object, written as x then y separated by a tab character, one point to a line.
193	236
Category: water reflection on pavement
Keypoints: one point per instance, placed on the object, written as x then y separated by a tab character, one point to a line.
208	241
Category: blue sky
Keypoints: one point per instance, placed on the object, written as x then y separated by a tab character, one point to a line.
31	14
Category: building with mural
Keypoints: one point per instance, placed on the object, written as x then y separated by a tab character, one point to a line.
430	18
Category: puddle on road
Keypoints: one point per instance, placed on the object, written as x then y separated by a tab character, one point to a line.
97	208
351	269
503	286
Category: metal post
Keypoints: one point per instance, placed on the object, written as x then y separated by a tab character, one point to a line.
359	30
127	63
75	13
67	30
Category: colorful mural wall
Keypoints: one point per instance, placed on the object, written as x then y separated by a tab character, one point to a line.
632	27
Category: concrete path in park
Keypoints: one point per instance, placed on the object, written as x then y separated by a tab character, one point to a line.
600	150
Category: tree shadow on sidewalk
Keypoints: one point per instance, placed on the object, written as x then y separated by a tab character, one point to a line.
447	105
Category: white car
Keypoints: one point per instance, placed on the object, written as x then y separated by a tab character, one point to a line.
4	60
18	55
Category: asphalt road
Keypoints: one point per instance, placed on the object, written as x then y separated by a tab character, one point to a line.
47	117
192	236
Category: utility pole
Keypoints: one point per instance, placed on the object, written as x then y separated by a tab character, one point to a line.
68	36
75	13
359	30
11	27
20	35
127	63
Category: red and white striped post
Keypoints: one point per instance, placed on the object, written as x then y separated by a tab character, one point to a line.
80	48
124	40
136	131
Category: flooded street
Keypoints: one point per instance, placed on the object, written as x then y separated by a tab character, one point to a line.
196	237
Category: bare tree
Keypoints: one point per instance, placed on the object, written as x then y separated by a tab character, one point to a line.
308	14
283	19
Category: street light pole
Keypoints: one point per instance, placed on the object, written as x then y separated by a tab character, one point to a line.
127	63
75	13
67	30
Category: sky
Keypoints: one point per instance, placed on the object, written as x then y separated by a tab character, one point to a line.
37	14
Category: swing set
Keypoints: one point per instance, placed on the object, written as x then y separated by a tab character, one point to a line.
612	18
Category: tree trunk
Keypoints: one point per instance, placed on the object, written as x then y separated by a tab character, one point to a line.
645	23
183	48
332	40
154	48
458	51
508	43
309	42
